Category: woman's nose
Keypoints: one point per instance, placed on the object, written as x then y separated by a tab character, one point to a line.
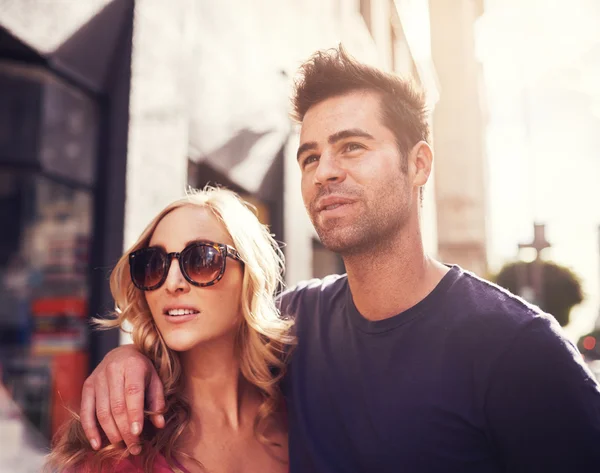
176	282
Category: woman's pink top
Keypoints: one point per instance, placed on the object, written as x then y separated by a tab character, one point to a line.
134	465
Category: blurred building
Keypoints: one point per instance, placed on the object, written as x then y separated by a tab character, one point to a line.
459	123
64	114
114	107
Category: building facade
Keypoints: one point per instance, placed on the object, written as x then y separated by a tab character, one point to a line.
459	123
134	101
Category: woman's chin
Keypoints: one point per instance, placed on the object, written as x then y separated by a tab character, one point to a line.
182	345
182	341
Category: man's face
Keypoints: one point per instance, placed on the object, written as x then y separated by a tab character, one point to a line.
353	185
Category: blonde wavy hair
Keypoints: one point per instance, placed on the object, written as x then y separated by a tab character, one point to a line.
263	339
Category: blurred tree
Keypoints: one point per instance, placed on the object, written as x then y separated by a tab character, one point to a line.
561	288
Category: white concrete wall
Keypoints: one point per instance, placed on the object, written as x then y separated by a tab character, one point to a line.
459	125
158	124
284	32
298	230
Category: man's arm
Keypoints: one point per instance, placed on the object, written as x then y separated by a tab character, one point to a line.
114	395
543	405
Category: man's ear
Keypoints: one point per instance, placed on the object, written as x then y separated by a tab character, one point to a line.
421	162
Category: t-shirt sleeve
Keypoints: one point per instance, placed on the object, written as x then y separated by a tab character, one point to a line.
543	404
288	302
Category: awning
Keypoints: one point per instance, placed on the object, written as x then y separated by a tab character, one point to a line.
239	106
79	41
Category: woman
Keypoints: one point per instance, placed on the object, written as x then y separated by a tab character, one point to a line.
197	289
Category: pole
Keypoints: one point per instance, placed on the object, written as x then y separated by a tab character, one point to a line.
598	319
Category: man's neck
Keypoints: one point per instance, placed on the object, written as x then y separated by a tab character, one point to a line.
387	281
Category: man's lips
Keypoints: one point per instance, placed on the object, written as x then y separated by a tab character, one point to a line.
332	202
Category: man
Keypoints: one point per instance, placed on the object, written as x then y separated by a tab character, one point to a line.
403	364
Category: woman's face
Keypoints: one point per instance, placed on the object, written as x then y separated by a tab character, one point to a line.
186	315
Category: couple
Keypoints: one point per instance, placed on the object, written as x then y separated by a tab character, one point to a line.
402	364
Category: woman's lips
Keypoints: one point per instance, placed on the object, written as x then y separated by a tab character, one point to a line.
180	314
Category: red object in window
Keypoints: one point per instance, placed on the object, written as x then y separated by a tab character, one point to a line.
69	371
75	306
589	343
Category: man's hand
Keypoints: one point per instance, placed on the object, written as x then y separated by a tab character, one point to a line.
114	394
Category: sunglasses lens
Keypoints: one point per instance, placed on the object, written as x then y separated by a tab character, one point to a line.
202	263
148	267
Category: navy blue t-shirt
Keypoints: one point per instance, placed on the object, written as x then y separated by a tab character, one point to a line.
471	379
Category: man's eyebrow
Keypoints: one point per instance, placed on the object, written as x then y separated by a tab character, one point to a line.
338	136
351	133
311	145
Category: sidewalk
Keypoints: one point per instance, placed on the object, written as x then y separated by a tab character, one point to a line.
22	448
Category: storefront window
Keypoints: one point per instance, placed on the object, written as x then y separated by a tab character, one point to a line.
44	293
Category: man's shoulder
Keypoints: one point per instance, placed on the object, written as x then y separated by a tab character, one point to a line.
483	300
487	327
487	318
312	293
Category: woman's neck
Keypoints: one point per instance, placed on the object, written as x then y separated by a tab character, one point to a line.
213	385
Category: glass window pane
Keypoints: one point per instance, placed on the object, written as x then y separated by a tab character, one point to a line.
44	293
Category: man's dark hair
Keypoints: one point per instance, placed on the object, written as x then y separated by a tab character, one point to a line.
332	72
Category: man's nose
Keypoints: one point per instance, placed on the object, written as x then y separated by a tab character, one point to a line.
329	169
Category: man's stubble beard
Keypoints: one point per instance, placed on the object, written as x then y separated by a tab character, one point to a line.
371	230
374	227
